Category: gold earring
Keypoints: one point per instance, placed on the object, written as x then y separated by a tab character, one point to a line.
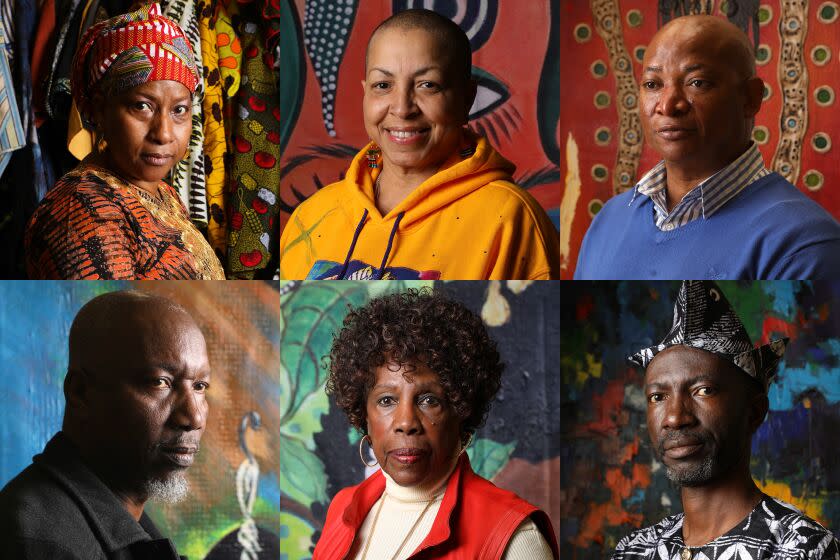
464	448
361	453
101	144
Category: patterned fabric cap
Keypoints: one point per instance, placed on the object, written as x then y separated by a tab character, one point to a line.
704	319
130	50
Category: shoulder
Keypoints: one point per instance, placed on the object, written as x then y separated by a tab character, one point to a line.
798	533
324	199
83	192
638	543
38	515
777	199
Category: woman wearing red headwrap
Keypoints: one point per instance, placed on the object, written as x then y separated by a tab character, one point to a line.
113	217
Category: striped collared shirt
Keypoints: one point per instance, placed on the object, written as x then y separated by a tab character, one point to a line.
706	198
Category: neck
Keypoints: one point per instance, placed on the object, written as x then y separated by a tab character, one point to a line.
425	492
395	184
102	160
113	478
715	508
681	177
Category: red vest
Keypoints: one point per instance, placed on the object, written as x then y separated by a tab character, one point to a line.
475	521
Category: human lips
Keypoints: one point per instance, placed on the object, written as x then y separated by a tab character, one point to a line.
408	455
679	446
182	454
675	132
406	135
156	159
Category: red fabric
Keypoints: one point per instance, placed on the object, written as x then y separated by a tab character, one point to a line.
42	50
162	42
475	521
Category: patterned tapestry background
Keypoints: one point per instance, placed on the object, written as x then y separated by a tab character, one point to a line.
612	483
239	322
602	44
518	448
515	61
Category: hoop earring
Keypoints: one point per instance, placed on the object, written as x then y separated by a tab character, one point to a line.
469	442
361	453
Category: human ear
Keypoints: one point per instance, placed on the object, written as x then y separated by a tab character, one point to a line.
754	90
76	389
364	85
472	89
758	407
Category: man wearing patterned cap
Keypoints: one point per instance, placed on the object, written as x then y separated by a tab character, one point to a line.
706	388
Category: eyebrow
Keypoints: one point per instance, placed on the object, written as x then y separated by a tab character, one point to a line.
416	73
156	99
420	386
691	68
703	378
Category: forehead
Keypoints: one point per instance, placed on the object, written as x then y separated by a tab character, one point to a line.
680	363
168	89
412	375
395	48
688	46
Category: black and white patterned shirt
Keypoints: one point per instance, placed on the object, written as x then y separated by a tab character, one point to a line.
774	530
706	198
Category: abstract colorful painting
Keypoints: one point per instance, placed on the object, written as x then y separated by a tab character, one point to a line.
611	483
602	44
515	64
233	509
518	448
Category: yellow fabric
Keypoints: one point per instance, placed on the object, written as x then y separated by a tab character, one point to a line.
215	144
79	139
467	222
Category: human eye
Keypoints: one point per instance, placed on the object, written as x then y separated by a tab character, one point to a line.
181	110
705	391
141	106
427	84
161	383
649	84
201	386
655	398
380	86
699	83
429	400
386	401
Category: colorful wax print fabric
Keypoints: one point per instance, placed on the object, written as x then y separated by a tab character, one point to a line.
255	168
93	225
774	530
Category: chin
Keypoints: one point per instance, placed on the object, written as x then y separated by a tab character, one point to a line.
169	489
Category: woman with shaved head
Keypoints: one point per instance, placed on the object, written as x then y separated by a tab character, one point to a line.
426	198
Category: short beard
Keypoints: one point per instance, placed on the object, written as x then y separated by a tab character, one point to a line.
696	476
170	490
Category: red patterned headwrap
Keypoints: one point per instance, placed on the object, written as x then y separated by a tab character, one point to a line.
130	50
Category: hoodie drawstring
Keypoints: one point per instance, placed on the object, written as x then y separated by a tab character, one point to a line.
381	271
352	246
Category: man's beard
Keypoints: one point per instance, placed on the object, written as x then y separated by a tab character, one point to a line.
696	474
169	490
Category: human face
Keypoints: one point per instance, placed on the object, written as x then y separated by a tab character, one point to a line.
147	411
414	433
696	105
147	129
415	103
699	416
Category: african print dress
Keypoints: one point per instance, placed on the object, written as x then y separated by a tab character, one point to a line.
94	225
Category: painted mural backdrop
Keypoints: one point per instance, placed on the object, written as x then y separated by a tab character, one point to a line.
518	448
241	442
515	62
602	44
611	482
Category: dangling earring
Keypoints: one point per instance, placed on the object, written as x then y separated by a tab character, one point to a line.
361	453
372	154
101	144
464	448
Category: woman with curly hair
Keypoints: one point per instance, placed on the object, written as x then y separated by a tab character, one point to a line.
415	373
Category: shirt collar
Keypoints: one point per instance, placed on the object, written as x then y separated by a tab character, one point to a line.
709	196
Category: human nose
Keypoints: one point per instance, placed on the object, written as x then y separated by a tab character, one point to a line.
407	420
403	104
162	130
672	100
190	410
679	412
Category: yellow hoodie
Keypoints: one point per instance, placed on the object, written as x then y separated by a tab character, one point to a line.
469	221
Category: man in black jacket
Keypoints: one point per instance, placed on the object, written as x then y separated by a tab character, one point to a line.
135	412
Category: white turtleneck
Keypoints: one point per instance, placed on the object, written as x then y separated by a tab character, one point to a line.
402	506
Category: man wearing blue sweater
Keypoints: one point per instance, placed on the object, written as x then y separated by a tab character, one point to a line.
710	209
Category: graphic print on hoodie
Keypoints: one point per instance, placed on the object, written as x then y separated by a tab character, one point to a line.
469	221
